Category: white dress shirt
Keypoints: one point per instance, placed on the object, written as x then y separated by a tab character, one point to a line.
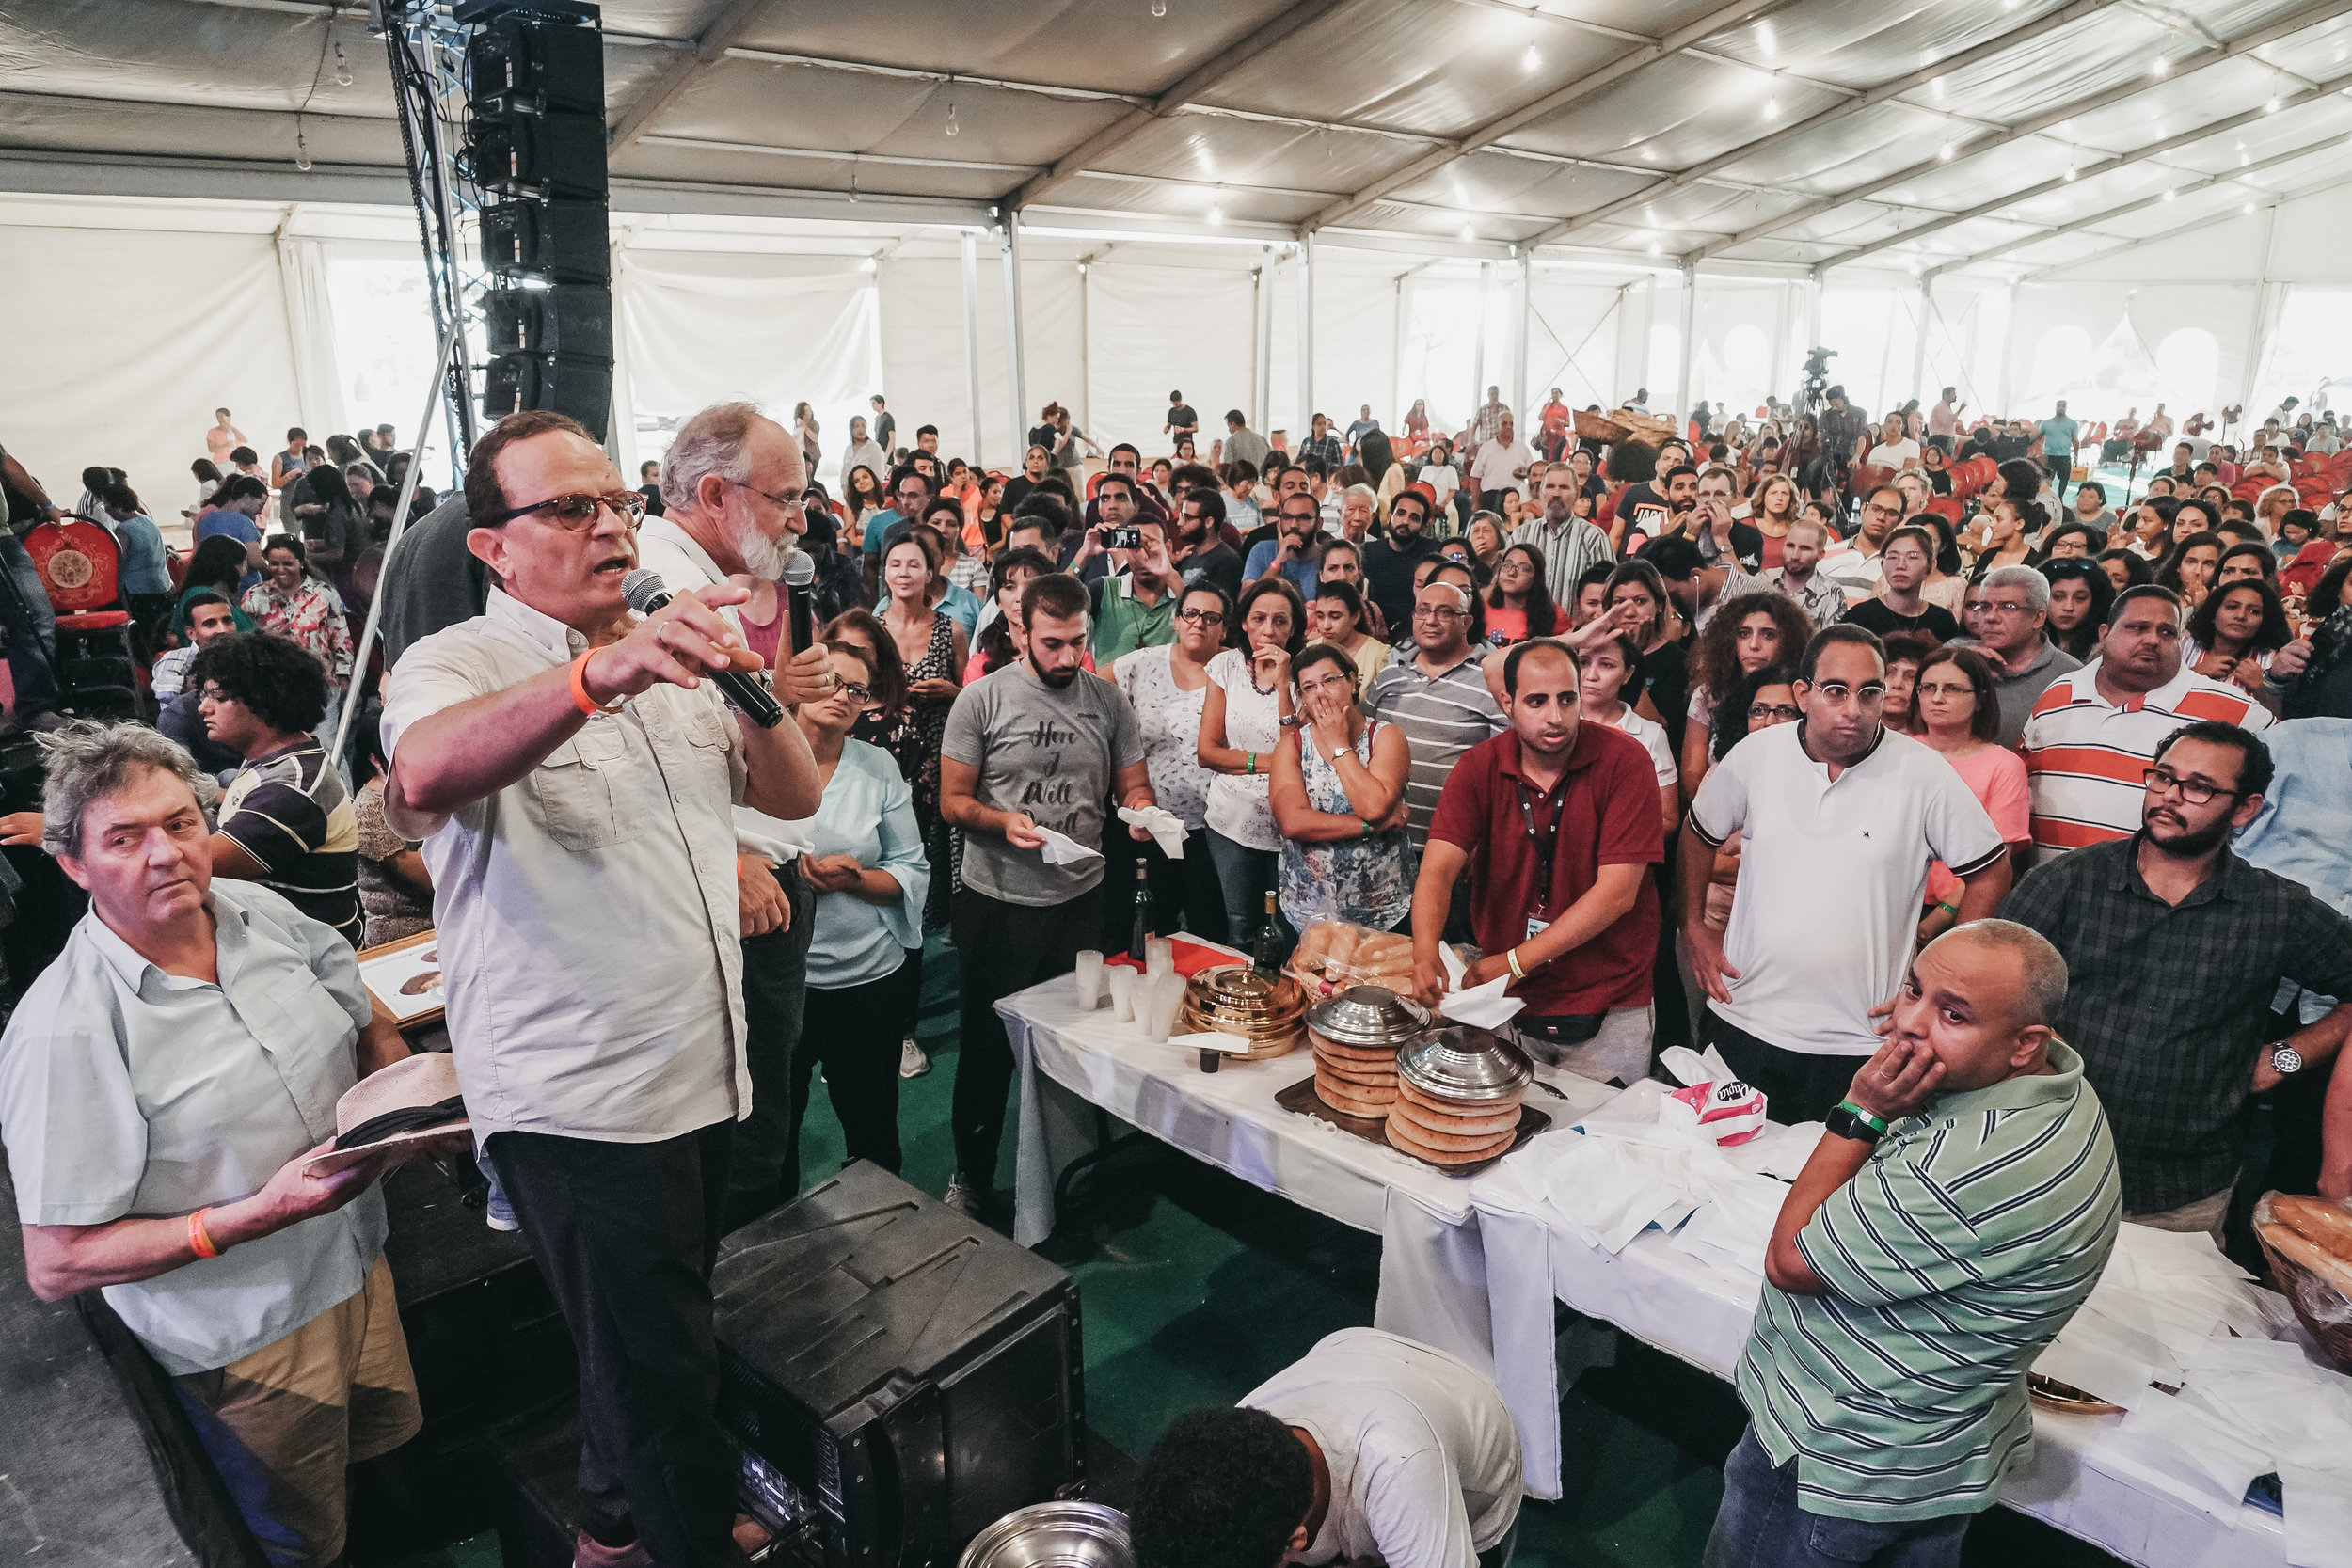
587	914
126	1093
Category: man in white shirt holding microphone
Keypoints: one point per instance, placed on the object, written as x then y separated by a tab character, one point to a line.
571	772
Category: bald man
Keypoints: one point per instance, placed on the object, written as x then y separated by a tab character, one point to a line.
1957	1210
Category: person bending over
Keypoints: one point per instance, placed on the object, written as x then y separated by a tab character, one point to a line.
1372	1448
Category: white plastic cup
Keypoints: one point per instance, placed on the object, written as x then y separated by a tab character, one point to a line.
1123	983
1159	954
1167	1000
1089	975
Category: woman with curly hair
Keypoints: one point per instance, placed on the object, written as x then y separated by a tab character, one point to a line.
2232	635
1744	635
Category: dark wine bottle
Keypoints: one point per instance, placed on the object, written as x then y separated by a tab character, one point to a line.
1142	928
1261	958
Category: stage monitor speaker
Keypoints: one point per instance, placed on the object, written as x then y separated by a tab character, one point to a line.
558	241
551	155
572	320
581	387
522	65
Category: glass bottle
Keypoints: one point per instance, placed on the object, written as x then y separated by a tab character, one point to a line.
1141	930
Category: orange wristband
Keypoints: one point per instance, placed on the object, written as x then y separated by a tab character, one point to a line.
581	699
200	1240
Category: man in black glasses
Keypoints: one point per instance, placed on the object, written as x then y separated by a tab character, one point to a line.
572	775
2175	947
1838	816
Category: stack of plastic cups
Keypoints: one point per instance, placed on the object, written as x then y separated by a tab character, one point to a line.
1123	983
1167	995
1089	978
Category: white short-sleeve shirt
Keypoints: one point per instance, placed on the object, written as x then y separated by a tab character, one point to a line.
1831	872
588	915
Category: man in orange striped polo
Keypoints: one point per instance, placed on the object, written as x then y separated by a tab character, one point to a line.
2095	732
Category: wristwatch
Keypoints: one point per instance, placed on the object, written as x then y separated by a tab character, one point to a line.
1339	751
1850	1120
2286	1060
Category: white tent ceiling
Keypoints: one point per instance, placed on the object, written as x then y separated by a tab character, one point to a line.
2001	136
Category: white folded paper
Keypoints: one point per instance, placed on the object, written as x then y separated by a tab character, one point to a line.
1061	849
1165	827
2318	1515
1480	1006
1233	1045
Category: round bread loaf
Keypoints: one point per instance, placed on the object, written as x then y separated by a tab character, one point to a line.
1457	1125
1458	1107
1341	1098
1359	1083
1400	1137
1429	1137
1380	1056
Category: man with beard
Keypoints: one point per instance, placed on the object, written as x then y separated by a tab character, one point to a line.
1854	565
2175	947
730	471
1039	745
2093	732
1127	461
1292	550
1389	563
1569	543
1195	549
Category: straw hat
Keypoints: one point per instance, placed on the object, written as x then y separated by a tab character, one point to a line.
411	1101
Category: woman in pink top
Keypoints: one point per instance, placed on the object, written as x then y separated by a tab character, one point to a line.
1956	709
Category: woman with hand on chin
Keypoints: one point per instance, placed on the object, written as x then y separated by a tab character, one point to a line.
1241	724
1337	795
870	876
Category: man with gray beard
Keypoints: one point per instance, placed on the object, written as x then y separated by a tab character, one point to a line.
731	491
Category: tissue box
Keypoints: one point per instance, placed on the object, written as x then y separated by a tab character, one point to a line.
1727	1110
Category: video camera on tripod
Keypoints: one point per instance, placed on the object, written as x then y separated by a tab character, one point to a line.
1815	382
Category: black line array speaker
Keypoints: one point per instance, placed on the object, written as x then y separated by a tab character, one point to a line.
535	142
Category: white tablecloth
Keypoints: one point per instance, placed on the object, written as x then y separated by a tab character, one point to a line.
1472	1265
1673	1301
1432	1264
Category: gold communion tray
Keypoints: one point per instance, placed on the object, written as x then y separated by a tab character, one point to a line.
1231	999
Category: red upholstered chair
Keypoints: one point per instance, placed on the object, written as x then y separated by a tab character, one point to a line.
80	565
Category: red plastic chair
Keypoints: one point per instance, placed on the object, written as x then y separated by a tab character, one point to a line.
80	565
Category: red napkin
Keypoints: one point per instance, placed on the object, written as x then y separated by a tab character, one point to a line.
1191	957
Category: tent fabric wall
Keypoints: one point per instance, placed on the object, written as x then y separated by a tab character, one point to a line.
2102	348
1155	329
318	383
123	342
1572	336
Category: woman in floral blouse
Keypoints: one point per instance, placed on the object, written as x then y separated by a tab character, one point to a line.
304	609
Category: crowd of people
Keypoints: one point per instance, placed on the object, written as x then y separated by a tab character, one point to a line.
1854	749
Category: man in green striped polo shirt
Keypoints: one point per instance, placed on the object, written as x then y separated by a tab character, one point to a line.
1957	1212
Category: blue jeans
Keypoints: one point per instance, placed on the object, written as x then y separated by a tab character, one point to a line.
1244	876
1762	1525
31	627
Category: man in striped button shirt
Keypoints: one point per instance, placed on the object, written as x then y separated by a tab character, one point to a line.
2093	732
1956	1212
1437	695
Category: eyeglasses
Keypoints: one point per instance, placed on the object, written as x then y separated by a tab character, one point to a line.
860	694
2160	780
1838	693
1994	607
1202	617
1439	612
578	514
790	504
1946	689
1785	713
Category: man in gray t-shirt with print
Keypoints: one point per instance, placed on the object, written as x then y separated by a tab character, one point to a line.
1038	746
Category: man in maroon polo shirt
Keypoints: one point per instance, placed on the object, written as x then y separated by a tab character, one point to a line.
1557	821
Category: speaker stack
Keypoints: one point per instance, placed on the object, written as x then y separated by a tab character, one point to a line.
536	145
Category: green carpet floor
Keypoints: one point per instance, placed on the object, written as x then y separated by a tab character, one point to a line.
1196	1287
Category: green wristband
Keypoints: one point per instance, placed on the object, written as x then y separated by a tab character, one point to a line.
1873	1124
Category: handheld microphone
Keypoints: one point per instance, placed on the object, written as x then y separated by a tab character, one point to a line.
645	593
800	576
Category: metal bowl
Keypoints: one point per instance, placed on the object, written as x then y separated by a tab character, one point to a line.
1370	1018
1054	1535
1464	1064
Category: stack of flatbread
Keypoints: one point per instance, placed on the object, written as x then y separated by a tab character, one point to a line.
1354	1080
1452	1132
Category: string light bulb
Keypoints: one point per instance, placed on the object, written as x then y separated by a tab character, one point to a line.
1216	217
302	153
1533	59
953	129
1159	8
343	67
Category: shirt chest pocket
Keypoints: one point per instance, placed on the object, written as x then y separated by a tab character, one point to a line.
575	790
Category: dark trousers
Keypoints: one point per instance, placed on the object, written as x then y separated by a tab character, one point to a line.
1763	1523
1797	1087
854	1033
30	623
1186	894
775	979
624	1235
1002	949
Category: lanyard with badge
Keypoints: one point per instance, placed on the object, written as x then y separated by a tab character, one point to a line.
1546	845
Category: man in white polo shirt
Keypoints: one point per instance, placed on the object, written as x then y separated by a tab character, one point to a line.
1838	817
2095	732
